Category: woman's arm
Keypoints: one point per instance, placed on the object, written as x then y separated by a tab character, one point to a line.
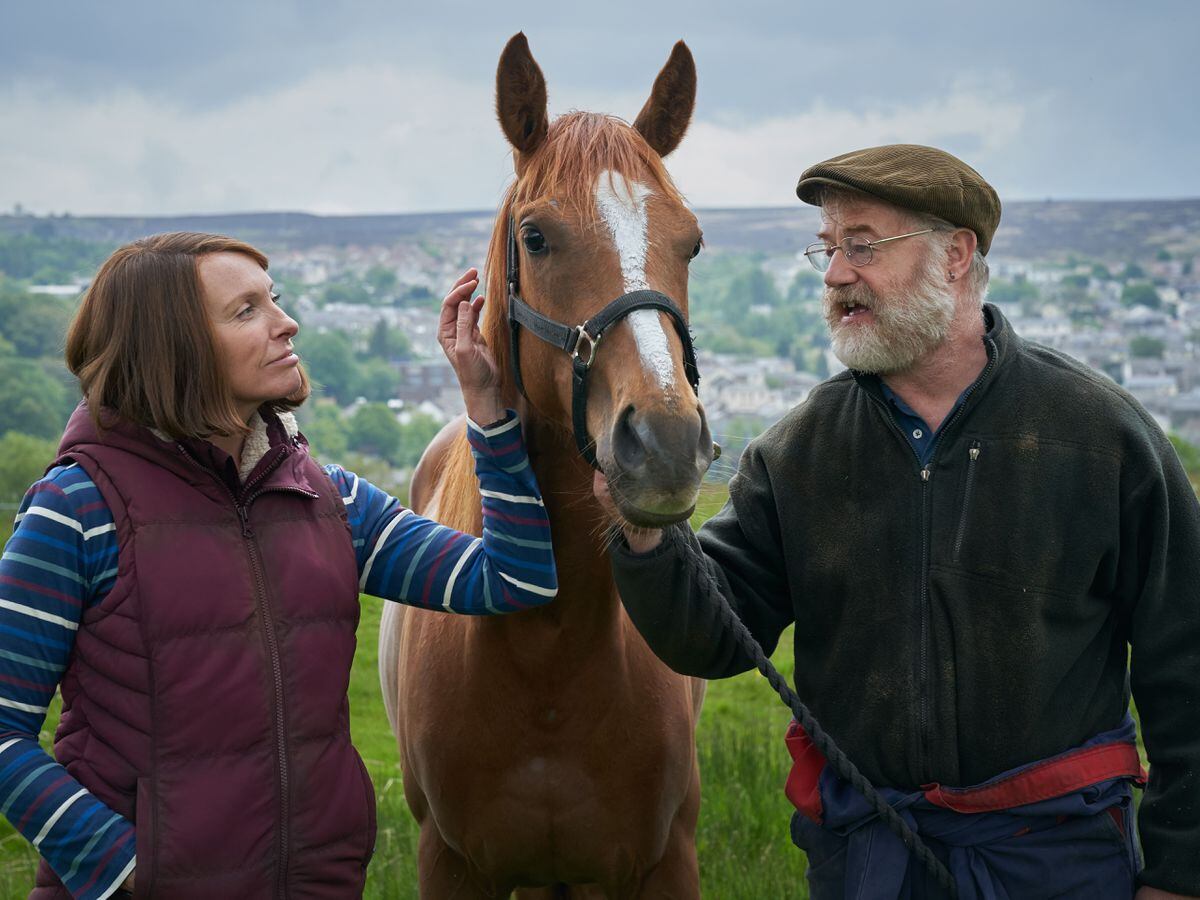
405	557
61	559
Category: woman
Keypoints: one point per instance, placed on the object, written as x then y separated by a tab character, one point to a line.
190	576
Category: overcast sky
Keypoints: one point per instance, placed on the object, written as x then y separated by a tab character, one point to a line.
163	107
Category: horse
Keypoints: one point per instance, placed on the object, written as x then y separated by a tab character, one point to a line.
549	752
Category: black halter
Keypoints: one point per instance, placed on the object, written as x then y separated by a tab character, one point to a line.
581	341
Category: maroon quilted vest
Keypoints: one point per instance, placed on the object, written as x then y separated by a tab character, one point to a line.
205	699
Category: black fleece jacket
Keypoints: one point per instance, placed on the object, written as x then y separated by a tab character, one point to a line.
966	617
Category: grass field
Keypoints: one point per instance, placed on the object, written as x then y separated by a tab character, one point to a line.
744	848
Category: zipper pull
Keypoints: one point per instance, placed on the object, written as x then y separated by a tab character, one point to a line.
925	474
244	515
974	451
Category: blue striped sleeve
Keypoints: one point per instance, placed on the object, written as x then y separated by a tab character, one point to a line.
405	557
60	560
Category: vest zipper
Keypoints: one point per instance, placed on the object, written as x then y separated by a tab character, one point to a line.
272	646
972	457
269	637
272	642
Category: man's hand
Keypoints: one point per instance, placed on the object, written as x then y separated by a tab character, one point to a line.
640	540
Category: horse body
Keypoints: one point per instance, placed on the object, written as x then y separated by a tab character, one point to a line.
552	747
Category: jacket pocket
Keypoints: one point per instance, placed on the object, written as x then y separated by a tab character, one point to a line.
369	790
144	828
973	454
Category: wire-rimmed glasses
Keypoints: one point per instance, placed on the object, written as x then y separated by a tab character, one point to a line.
857	250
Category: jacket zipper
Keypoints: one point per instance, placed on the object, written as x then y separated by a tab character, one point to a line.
972	458
926	473
927	527
272	645
923	668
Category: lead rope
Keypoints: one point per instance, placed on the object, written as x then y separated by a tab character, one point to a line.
823	742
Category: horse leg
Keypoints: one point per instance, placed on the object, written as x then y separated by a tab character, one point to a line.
443	874
561	892
677	875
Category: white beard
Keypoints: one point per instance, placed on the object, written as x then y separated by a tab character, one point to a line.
909	322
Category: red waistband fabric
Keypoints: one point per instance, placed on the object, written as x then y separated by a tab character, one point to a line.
1038	781
1054	777
803	787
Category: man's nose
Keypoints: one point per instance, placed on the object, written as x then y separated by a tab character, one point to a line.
840	271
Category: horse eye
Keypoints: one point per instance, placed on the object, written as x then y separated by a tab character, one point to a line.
534	240
696	249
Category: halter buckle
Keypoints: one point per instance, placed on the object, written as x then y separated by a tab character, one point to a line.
582	335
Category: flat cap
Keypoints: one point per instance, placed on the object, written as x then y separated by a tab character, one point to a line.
922	179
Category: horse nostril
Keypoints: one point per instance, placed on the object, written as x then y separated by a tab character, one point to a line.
628	448
707	449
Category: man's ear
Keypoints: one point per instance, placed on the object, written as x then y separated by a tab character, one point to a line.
960	254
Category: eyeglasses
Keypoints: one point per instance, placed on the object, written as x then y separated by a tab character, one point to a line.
858	251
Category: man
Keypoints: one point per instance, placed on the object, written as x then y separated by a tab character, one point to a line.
970	532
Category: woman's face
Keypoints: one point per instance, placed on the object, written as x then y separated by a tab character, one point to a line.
253	335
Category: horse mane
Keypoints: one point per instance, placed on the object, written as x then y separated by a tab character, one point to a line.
579	146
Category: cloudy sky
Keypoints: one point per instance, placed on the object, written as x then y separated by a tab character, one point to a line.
134	107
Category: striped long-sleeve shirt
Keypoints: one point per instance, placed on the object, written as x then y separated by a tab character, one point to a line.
62	560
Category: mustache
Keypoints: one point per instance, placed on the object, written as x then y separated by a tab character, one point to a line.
850	295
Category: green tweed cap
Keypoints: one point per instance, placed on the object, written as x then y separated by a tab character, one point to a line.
922	179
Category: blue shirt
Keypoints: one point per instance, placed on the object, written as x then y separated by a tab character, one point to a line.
920	436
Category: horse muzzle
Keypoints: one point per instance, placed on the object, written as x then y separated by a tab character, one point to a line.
654	461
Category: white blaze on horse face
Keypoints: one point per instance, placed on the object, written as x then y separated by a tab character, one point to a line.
622	207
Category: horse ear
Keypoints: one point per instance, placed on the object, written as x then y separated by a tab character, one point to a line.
665	117
521	96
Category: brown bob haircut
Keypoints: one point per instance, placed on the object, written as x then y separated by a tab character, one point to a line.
142	345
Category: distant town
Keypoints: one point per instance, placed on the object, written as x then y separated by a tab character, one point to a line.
1115	285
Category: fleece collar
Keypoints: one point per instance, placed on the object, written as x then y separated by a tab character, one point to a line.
256	445
258	441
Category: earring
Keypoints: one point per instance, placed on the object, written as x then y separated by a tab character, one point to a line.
951	275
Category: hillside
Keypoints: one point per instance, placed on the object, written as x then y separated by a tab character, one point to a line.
1030	230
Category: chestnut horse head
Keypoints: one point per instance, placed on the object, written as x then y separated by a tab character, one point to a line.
593	216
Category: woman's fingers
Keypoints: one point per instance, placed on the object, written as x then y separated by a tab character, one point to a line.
472	274
463	332
460	337
459	293
449	312
468	345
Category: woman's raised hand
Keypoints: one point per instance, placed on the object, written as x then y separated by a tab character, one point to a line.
464	346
